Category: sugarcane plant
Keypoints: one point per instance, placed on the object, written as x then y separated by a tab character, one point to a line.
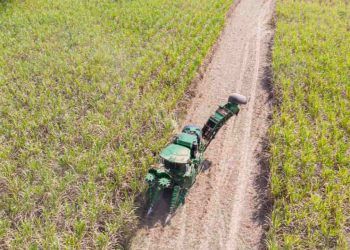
182	160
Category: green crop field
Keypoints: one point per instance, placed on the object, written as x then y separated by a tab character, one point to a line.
87	94
310	138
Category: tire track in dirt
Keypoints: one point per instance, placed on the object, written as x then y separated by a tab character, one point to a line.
244	175
221	210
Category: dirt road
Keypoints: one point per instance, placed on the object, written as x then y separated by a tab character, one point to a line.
226	208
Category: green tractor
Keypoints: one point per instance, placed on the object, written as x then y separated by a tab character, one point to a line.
182	160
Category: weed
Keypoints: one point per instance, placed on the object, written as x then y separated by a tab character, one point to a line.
87	90
310	162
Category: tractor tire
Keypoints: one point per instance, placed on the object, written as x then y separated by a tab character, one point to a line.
237	99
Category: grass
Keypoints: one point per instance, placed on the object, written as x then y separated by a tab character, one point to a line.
310	147
87	93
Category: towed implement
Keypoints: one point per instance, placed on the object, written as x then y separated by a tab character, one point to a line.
182	160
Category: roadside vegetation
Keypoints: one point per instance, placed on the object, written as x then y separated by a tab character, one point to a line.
87	94
310	138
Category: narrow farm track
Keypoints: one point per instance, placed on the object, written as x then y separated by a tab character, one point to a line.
226	207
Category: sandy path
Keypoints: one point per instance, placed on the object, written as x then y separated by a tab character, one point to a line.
225	208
